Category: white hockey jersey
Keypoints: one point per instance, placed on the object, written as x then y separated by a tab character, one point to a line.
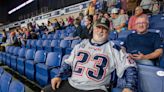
92	64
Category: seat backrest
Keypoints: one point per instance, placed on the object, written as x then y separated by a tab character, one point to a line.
65	44
55	43
151	79
16	86
33	43
53	59
5	82
16	50
40	56
123	35
28	42
1	71
39	43
75	42
113	35
22	52
50	36
46	43
44	36
30	53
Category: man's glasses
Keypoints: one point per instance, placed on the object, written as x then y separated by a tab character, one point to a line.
141	23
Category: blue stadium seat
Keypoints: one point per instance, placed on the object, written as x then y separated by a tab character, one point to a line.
1	71
64	44
55	45
29	70
116	90
8	56
44	37
113	35
50	37
39	45
47	45
33	44
40	57
74	42
56	36
28	43
123	34
14	58
5	82
21	61
151	79
42	70
16	86
161	63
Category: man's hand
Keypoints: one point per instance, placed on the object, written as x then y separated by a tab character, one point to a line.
55	83
126	90
138	56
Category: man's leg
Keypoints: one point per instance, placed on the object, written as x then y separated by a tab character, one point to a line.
64	87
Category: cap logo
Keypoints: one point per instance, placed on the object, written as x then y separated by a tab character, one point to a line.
103	20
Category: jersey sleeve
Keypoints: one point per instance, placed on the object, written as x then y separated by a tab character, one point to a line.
71	58
122	62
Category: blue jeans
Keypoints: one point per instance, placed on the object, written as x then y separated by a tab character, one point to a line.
145	62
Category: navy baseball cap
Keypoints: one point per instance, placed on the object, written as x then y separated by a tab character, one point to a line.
103	22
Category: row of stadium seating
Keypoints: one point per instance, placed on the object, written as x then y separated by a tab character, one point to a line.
8	84
36	65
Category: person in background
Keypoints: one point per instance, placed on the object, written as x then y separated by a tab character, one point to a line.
50	28
56	25
138	13
4	36
144	47
111	4
88	30
81	17
90	9
118	21
95	18
122	12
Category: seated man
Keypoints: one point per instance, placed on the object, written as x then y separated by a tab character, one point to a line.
145	47
132	20
92	62
118	21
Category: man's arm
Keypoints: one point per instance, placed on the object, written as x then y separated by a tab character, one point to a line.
65	71
157	53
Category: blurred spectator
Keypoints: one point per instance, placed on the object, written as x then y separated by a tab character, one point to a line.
70	21
138	13
50	28
95	18
146	5
62	23
145	47
123	4
118	21
111	4
130	6
4	36
56	25
81	17
88	30
123	13
91	8
43	28
27	34
13	39
155	9
100	14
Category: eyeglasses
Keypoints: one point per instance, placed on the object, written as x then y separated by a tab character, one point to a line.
141	23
